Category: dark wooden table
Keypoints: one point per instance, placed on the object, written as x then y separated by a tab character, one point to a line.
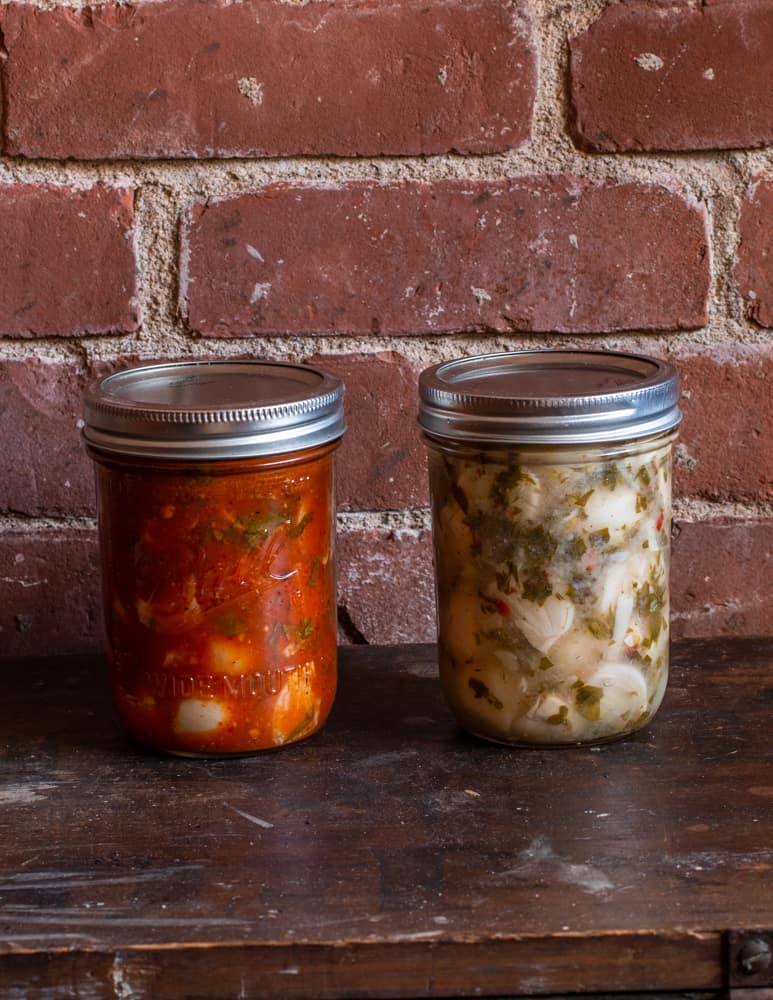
392	855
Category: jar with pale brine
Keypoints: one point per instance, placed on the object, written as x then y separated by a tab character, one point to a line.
550	475
216	522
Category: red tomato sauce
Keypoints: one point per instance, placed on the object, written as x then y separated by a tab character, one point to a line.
219	593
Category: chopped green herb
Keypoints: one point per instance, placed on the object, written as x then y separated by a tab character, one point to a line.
650	598
538	545
598	538
580	587
231	623
545	663
299	528
579	548
300	632
505	481
588	699
305	630
641	503
255	528
611	476
505	540
580	499
480	690
536	588
643	476
313	579
599	629
559	717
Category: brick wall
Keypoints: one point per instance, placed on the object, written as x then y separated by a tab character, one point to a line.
376	187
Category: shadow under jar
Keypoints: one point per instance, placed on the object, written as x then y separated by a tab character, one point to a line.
550	478
216	522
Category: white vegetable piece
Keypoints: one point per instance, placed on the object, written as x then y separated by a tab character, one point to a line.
612	509
534	727
195	715
475	482
529	496
229	657
498	702
625	691
295	705
619	577
623	614
542	625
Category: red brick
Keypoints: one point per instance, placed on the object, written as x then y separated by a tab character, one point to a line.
381	464
754	271
67	261
264	78
47	472
50	473
49	593
674	77
722	578
385	587
533	253
724	450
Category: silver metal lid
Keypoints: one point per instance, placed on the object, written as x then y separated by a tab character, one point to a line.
213	409
549	397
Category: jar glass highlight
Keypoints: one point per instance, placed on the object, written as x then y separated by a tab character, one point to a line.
218	573
552	572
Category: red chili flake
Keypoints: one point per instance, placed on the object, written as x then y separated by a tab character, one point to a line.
659	523
502	607
589	569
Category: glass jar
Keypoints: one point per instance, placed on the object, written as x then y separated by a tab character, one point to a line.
216	525
550	477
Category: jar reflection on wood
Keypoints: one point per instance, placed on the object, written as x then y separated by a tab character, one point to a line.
550	478
216	520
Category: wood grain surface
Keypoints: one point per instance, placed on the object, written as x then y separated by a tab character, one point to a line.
390	856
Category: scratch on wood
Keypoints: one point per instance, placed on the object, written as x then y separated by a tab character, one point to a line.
77	880
263	823
419	936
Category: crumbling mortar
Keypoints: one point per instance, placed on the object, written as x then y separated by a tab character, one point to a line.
689	510
158	210
202	179
726	343
21	524
411	522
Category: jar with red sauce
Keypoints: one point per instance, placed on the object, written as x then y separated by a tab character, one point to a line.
216	522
